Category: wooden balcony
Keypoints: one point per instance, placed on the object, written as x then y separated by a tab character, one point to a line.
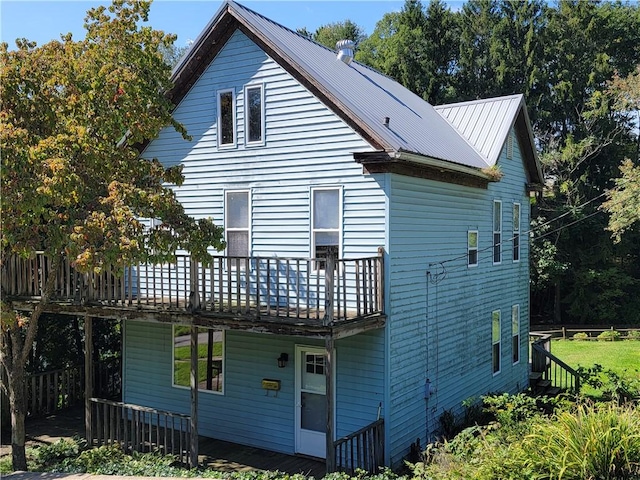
295	296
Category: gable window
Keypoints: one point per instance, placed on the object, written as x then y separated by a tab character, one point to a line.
236	222
210	358
226	118
515	332
495	341
254	114
497	231
516	232
326	221
510	146
472	248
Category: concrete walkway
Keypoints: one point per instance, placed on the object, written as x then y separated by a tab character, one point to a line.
72	476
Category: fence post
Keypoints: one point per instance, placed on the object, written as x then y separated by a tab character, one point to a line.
329	280
193	460
88	376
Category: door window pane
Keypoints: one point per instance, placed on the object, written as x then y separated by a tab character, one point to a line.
313	415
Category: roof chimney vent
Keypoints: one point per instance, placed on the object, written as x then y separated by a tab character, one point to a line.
345	51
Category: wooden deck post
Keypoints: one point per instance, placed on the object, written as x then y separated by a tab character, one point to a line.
88	376
193	460
329	281
329	366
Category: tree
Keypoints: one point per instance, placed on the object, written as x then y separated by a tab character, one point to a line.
73	183
330	34
624	199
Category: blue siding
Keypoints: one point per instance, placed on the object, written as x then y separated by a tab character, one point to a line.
440	310
439	324
245	413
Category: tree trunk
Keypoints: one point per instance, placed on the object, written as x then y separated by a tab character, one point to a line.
18	402
557	315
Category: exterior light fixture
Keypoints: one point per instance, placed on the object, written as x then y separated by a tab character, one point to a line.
283	359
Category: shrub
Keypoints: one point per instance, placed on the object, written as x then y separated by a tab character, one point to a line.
580	336
633	335
609	336
589	442
49	455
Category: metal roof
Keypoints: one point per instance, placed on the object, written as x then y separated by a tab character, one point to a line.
359	94
485	123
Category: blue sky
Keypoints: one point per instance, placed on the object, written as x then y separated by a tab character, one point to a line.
42	21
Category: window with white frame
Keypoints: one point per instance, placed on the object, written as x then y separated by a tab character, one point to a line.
515	332
226	118
497	231
472	248
495	340
254	114
516	232
236	222
326	221
210	358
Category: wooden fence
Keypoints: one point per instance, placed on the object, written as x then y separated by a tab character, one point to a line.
567	332
363	449
54	390
140	429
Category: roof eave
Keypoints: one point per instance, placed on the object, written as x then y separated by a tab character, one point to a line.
416	165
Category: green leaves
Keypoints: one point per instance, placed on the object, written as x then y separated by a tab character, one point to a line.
70	184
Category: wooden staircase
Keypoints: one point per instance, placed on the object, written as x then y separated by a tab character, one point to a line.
549	375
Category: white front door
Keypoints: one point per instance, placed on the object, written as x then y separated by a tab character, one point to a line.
311	401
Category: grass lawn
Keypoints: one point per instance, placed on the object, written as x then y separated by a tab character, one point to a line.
616	356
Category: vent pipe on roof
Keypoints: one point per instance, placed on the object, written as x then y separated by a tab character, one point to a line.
345	51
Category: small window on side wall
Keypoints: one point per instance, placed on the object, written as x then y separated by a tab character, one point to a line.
497	231
516	232
496	340
226	118
254	114
326	221
515	332
472	248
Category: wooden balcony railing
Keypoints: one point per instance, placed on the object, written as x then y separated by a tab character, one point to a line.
140	429
362	450
242	286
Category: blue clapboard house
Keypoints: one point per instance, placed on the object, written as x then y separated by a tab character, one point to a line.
376	272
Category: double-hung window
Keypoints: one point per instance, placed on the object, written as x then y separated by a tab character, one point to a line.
497	231
472	248
254	114
495	341
210	358
516	232
236	223
326	214
515	332
226	118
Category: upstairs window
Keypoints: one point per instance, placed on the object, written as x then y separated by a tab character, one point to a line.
472	248
496	340
497	231
226	118
516	232
326	221
237	223
254	114
515	332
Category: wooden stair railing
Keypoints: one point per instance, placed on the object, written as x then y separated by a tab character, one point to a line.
554	373
363	449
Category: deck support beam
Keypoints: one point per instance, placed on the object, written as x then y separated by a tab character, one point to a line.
328	371
88	376
193	461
